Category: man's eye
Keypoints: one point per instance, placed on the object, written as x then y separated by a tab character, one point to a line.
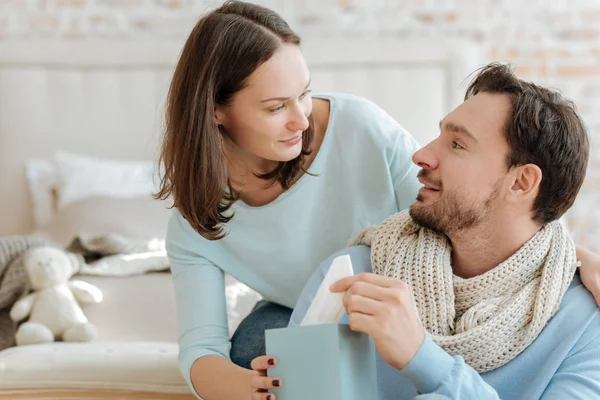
455	145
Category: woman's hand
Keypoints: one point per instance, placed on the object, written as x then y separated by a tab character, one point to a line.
590	271
261	382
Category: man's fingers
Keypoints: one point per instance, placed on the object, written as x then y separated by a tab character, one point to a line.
361	304
345	283
360	322
263	363
369	290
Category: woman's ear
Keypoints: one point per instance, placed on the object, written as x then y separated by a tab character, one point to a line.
526	181
219	116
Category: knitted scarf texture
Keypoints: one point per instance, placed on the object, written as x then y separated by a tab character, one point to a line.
488	319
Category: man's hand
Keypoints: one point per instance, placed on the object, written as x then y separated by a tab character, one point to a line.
261	382
383	308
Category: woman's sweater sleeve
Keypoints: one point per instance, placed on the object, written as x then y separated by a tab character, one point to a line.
200	298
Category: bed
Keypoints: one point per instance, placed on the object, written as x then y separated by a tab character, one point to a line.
80	122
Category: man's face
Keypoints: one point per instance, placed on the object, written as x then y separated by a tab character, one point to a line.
464	170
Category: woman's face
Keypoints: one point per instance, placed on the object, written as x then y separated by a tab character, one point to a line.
266	119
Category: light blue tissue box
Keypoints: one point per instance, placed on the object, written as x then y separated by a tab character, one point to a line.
326	361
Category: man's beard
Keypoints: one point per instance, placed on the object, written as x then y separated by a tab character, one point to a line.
450	214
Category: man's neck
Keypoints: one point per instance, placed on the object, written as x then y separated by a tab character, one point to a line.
483	248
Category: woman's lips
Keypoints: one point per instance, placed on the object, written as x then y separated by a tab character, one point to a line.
293	141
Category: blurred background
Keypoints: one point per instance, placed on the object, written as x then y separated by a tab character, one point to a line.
554	43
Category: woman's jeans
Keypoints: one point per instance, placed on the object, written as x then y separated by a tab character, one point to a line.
248	341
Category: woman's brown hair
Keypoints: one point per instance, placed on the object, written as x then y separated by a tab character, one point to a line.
225	47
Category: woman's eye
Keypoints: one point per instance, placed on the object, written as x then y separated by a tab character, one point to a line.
303	95
281	107
276	109
455	145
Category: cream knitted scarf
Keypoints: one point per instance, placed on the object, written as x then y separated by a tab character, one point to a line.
488	319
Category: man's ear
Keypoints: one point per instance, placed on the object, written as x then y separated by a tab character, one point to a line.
527	179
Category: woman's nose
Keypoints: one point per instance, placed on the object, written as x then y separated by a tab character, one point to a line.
299	119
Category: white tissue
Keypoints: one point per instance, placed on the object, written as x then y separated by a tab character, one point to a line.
328	307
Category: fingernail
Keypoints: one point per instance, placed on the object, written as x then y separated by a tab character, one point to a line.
271	361
276	383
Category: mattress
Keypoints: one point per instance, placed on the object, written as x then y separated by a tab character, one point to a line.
111	370
134	308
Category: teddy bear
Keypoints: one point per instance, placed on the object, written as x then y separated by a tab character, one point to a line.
53	308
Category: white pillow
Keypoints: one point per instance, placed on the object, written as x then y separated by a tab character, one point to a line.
42	180
82	176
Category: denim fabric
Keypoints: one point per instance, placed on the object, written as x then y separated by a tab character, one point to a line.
248	341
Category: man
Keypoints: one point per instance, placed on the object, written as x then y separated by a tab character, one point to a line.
474	293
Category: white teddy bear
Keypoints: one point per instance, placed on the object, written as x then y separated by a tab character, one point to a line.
52	307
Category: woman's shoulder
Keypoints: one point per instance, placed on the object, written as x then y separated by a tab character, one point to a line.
181	238
355	117
354	108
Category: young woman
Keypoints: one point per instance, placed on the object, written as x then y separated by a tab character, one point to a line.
267	182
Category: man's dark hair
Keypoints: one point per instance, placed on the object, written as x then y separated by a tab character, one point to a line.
542	128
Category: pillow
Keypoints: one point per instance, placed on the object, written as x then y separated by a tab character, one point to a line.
81	176
141	217
42	180
68	177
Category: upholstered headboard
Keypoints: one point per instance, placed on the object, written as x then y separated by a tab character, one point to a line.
105	98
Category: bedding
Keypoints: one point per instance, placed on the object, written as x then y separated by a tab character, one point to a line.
137	369
126	309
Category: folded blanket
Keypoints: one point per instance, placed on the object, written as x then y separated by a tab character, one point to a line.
116	255
14	282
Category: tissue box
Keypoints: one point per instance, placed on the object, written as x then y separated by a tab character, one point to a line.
326	361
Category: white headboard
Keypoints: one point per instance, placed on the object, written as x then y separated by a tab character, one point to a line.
106	98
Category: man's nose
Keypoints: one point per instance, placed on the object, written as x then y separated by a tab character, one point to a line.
426	158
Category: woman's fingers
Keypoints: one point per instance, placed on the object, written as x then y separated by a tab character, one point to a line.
261	383
265	383
263	396
263	363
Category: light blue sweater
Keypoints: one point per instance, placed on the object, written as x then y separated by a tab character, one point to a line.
364	174
563	363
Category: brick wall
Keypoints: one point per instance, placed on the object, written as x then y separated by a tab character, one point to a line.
555	43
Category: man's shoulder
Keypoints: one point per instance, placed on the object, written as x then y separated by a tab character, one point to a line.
578	295
360	256
579	314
